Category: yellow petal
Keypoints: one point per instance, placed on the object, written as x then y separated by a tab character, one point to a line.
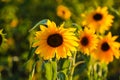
43	28
61	52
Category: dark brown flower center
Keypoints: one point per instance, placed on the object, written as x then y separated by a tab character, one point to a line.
84	41
105	46
54	40
63	12
97	16
0	39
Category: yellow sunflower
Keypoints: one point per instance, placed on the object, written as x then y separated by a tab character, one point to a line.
14	23
87	41
107	48
99	19
63	12
2	37
3	42
55	41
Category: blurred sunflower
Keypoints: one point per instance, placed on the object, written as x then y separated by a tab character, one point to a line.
2	37
53	40
87	41
99	19
63	12
107	48
14	23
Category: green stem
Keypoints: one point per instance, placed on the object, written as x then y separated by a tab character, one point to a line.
96	69
71	74
73	66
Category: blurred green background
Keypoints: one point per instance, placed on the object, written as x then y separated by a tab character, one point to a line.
17	17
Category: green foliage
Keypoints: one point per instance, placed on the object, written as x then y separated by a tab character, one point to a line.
62	76
32	71
31	53
50	70
20	18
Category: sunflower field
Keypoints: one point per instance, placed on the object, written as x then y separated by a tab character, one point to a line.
59	40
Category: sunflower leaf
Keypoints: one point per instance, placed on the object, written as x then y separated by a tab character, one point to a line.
76	26
66	68
32	72
61	76
42	22
48	70
31	52
54	69
66	64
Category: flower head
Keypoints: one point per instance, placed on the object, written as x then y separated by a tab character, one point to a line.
63	12
87	41
52	40
107	48
99	20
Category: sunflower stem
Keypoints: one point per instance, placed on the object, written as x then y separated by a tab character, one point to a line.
71	74
72	67
97	70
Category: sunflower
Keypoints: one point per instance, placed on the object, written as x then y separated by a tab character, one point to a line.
107	48
87	41
2	37
14	23
54	41
99	19
63	12
3	42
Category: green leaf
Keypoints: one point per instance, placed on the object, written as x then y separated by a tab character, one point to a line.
65	69
54	69
66	64
61	76
115	11
32	72
51	70
31	52
48	70
77	26
42	22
